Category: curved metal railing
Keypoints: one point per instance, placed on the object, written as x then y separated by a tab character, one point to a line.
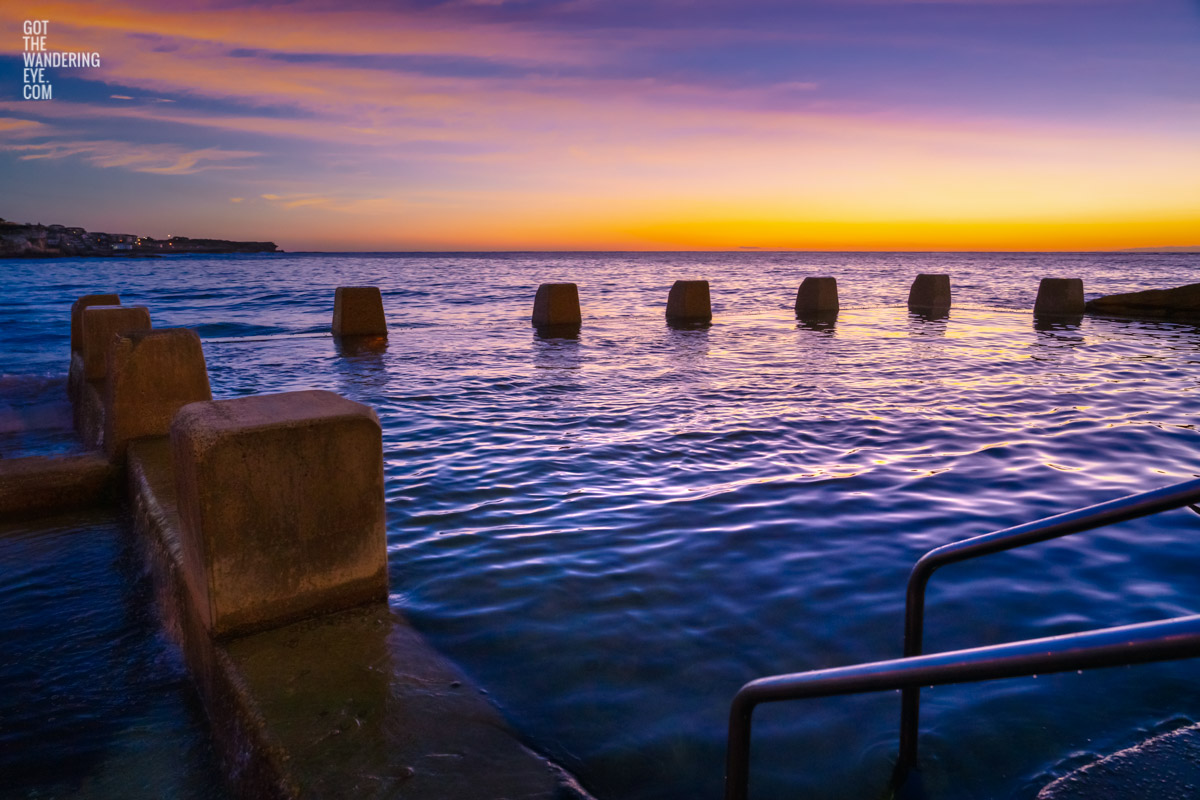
1169	639
1085	519
1110	647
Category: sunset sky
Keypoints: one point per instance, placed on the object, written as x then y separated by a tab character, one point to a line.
614	124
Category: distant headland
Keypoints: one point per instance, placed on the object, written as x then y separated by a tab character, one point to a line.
25	240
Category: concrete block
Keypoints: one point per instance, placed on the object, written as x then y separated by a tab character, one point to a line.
99	325
77	313
353	704
689	301
930	292
281	508
151	375
75	379
556	304
358	311
817	296
1059	296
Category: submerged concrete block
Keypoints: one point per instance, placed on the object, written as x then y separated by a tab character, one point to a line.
77	313
1181	302
556	304
358	311
817	296
930	292
1059	296
281	508
689	300
151	375
99	325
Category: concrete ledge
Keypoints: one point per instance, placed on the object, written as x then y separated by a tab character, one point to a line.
930	293
358	311
1060	296
39	485
1181	302
689	301
352	704
817	297
1166	767
556	304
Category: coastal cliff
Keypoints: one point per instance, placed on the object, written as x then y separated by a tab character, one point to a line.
25	240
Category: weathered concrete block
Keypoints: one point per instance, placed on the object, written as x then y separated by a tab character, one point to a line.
99	325
77	308
358	311
1059	296
930	292
556	304
151	375
281	507
817	296
75	378
352	704
689	300
1181	302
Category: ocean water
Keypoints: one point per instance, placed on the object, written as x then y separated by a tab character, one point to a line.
613	532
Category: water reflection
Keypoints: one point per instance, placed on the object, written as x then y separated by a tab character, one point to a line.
1058	331
688	340
360	366
1044	323
557	347
821	322
689	324
355	346
928	322
556	333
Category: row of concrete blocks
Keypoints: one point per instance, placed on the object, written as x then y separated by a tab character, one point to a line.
280	496
557	304
358	310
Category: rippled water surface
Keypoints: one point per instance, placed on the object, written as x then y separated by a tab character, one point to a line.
612	532
94	702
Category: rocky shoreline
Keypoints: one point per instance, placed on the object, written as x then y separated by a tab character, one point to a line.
26	240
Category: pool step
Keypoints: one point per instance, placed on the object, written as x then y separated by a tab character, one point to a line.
1166	767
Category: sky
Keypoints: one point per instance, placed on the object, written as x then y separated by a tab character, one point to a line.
613	124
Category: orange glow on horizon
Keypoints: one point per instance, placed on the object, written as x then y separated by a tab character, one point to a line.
325	150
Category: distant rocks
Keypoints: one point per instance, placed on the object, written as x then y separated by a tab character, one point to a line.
1182	302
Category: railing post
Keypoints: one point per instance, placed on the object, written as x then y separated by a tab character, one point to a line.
910	698
737	752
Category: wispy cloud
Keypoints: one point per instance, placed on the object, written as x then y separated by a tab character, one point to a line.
12	126
340	203
160	159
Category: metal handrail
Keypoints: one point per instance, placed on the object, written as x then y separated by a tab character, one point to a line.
1129	644
1084	519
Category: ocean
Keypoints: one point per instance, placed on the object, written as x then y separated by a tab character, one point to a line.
612	532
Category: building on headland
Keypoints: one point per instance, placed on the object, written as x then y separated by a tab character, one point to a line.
25	240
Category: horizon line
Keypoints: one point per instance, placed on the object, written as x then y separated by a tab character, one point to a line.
1185	249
